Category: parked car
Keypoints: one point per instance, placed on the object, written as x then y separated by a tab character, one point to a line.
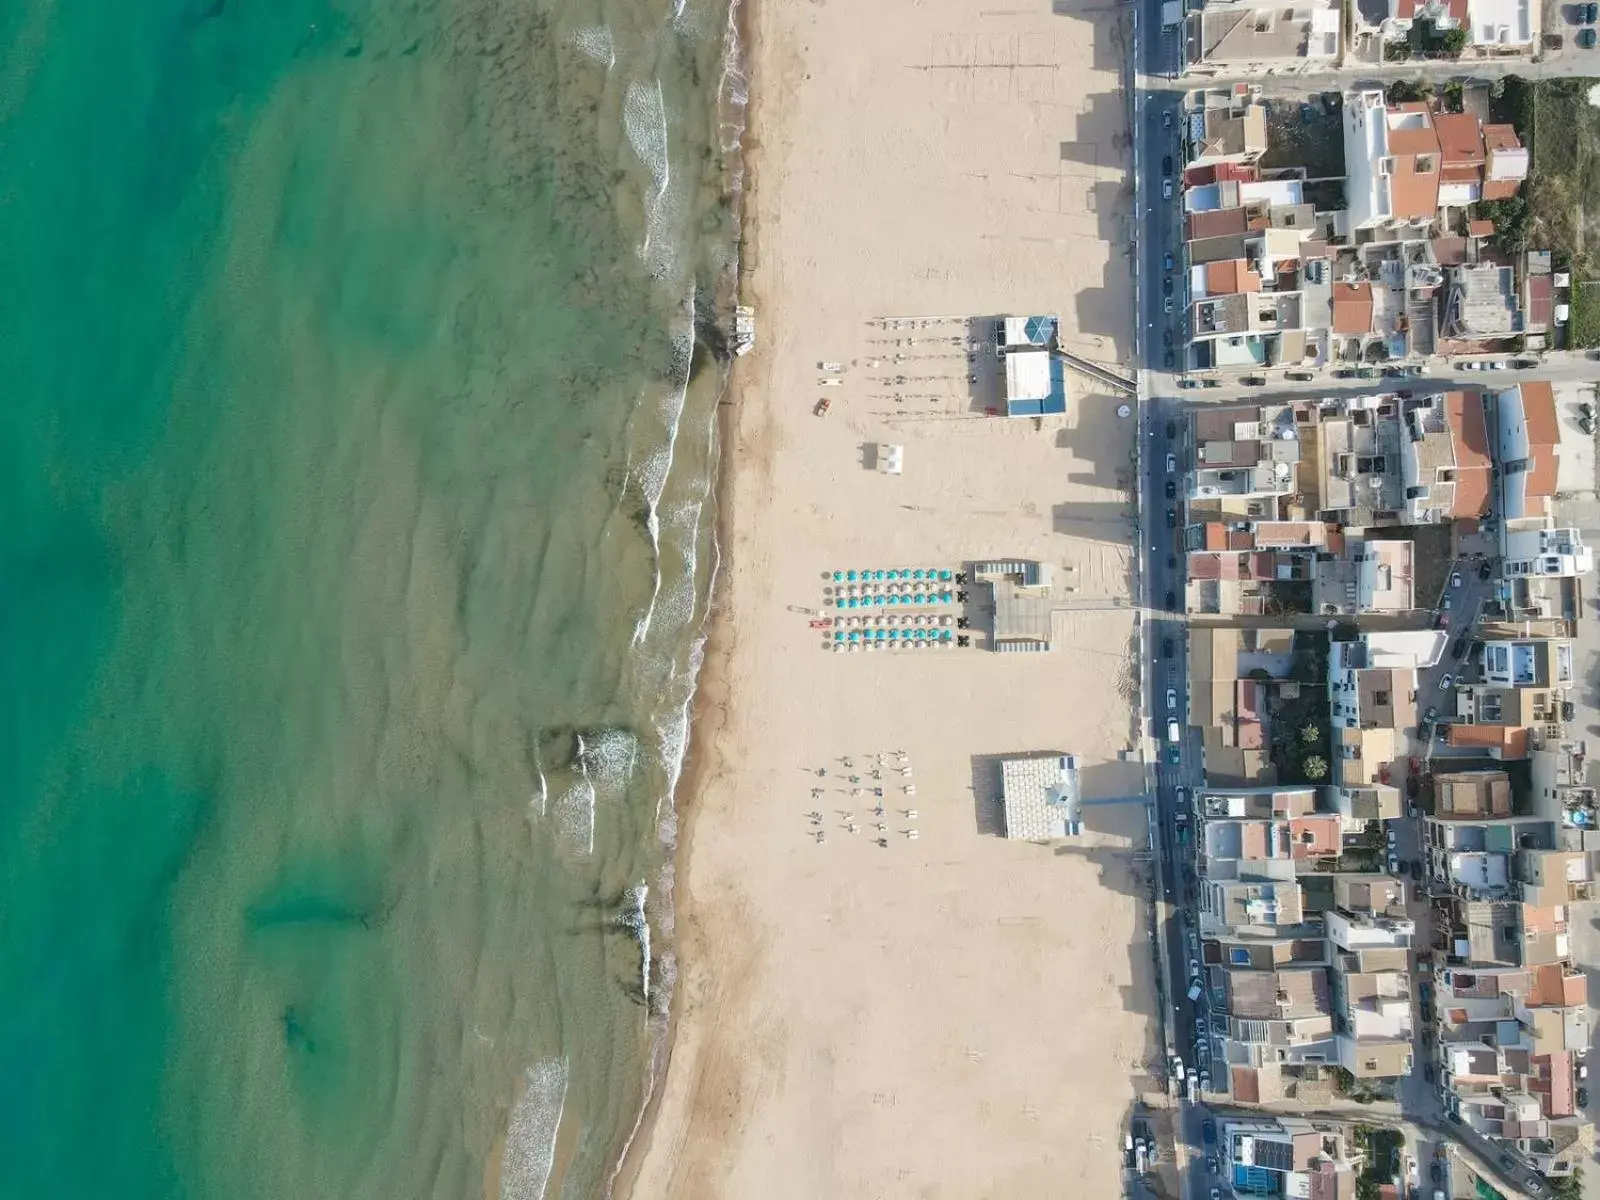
1446	681
1174	756
1253	381
1300	376
1458	649
1166	164
1583	1097
1166	119
1455	579
1172	464
1166	305
1172	490
1172	518
1586	38
1485	570
1186	384
1167	358
1166	189
1211	383
1172	601
1431	715
1344	373
1166	338
1208	1132
1416	869
1166	647
1166	262
1166	285
1391	862
1172	562
1524	364
1389	836
1591	13
1172	430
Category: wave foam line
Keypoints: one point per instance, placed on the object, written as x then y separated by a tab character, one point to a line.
530	1153
658	467
644	119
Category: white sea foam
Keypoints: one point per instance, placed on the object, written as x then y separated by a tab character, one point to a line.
541	799
657	466
530	1151
633	919
608	759
644	118
596	41
574	809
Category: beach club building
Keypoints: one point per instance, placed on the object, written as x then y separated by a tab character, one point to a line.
1035	376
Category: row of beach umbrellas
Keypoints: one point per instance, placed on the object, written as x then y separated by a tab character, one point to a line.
879	601
894	635
931	574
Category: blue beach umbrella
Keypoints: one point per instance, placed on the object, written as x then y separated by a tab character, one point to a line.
838	637
877	574
837	576
840	602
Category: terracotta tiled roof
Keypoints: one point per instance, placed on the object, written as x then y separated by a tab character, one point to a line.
1460	138
1480	229
1352	308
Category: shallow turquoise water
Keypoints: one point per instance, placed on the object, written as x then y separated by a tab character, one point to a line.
342	347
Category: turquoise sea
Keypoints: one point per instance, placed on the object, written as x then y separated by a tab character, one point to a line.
355	533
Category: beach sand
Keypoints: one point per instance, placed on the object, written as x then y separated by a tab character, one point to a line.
957	1015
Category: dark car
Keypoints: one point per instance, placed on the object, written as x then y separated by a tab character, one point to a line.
1172	562
1208	1132
1186	384
1393	373
1172	518
1174	755
1166	164
1172	601
1591	13
1508	1162
1166	262
1427	1074
1167	358
1212	382
1344	373
1253	381
1300	376
1166	119
1172	430
1460	648
1524	364
1166	337
1172	489
1583	1097
1485	570
1586	38
1166	285
1166	647
1416	869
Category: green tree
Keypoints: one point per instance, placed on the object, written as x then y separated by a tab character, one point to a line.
1569	1187
1315	767
1403	91
1453	41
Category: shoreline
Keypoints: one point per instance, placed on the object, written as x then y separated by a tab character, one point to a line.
708	708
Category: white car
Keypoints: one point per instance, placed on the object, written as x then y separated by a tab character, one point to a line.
1172	699
1390	837
1172	464
1455	579
1446	681
1392	861
1447	604
1166	189
1498	364
1194	968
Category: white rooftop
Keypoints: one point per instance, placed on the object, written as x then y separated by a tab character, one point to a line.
1040	796
1028	375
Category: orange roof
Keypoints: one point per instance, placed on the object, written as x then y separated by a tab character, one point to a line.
1468	434
1480	229
1216	535
1352	308
1231	276
1500	137
1539	412
1460	138
1413	193
1511	742
1418	140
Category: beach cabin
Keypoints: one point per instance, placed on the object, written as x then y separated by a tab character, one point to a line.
1035	377
1040	796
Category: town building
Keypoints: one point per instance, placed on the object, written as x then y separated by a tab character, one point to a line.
1242	37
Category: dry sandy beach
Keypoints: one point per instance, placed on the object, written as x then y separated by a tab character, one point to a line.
956	1015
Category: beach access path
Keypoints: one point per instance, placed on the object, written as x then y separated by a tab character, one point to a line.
957	1015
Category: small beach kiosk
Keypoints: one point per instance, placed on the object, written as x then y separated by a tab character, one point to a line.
1040	796
1035	378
